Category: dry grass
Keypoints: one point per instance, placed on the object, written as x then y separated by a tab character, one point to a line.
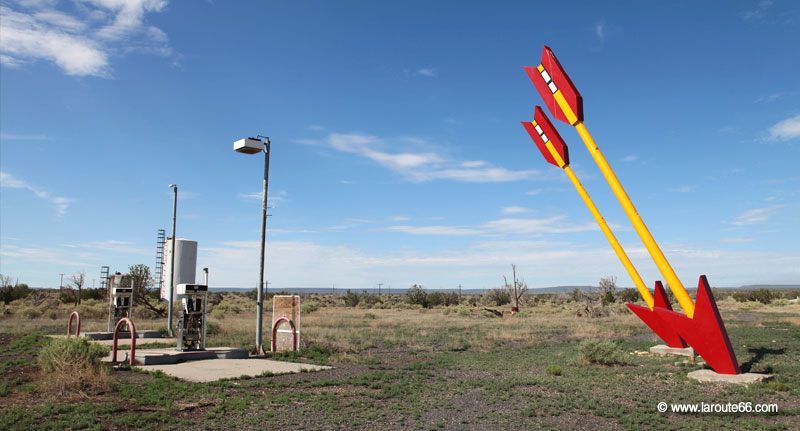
72	364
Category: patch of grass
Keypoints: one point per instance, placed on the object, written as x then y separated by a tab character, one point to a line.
554	370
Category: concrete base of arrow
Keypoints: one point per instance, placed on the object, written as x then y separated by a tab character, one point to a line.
664	350
709	376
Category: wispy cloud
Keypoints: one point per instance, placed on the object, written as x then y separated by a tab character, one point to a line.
755	215
533	192
600	30
772	97
630	158
80	39
738	240
23	137
430	72
61	203
786	130
758	12
504	226
683	189
422	164
116	246
515	210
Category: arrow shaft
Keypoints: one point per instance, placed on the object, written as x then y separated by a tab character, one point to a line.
612	240
681	295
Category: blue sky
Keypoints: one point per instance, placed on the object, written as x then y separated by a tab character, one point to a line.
398	157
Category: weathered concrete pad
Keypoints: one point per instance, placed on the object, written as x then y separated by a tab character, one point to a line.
171	355
665	350
217	369
127	342
710	376
110	335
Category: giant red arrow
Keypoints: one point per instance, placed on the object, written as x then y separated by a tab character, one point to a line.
705	331
649	317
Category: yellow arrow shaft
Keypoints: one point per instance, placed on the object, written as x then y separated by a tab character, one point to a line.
623	257
638	224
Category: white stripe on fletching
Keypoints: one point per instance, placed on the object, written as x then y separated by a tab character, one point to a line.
552	86
546	76
544	138
539	129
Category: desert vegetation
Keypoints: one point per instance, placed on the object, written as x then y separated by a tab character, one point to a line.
422	359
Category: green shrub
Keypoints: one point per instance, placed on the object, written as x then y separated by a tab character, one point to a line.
602	353
417	295
31	313
10	293
351	299
553	370
309	307
98	294
764	296
498	296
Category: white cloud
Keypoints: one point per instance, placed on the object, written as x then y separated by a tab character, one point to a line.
80	41
533	192
755	215
430	72
738	240
786	130
515	210
436	230
480	264
61	203
421	165
113	246
23	137
683	189
630	158
511	226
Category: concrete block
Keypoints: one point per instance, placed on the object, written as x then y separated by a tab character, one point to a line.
710	376
664	350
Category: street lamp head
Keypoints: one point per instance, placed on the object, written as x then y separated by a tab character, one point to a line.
248	146
173	186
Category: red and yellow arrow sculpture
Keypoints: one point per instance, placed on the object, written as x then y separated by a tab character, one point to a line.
701	327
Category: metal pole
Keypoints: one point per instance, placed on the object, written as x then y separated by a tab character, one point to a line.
172	261
260	300
205	307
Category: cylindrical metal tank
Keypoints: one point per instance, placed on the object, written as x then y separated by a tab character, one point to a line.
185	264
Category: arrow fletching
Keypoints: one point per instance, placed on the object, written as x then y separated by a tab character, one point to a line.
558	92
547	139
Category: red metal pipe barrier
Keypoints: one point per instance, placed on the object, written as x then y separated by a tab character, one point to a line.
116	335
69	324
275	331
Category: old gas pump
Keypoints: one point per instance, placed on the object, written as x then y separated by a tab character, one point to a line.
120	301
192	318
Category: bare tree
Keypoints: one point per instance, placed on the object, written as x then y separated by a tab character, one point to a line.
76	282
139	275
608	289
517	289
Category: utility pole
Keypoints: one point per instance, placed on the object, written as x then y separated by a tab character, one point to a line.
379	288
459	293
61	285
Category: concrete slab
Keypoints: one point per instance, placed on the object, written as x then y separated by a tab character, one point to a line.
665	350
710	376
110	335
171	355
217	369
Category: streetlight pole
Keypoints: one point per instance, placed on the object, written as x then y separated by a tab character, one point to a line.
255	146
172	259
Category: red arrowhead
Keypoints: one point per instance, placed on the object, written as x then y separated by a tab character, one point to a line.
546	131
705	332
560	81
649	317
